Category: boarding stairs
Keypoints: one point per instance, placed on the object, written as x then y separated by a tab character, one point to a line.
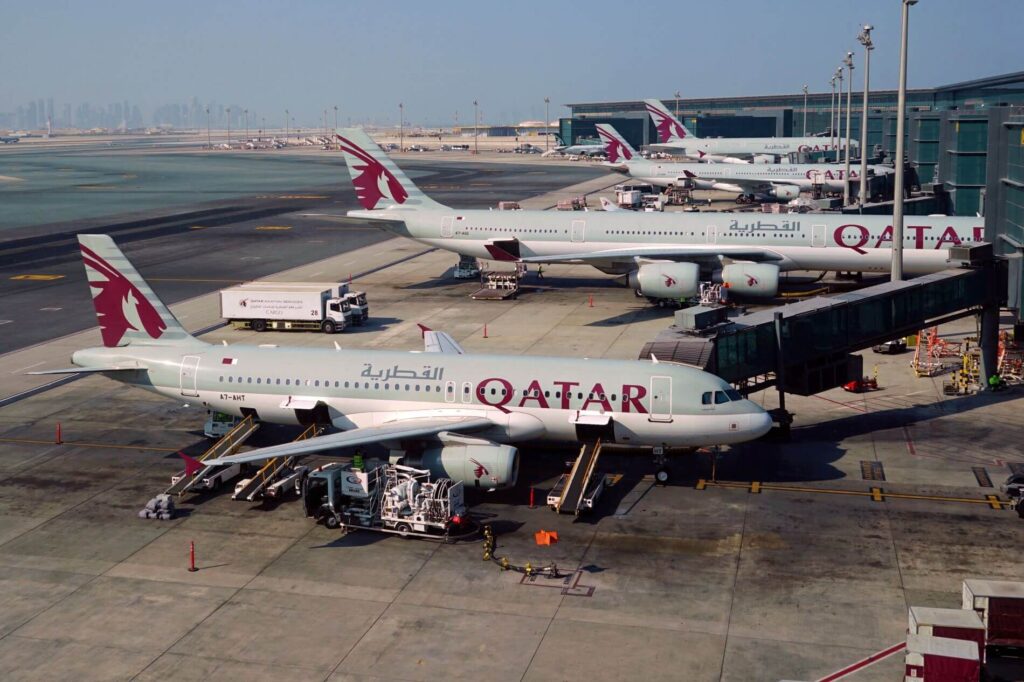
272	470
579	478
228	445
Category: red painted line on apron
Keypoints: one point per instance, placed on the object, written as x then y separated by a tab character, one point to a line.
911	448
864	662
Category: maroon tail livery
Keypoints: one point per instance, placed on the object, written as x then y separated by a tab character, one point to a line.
373	182
120	306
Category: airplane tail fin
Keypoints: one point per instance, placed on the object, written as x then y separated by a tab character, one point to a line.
378	181
128	310
669	127
615	146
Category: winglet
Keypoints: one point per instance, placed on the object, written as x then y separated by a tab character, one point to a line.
192	465
423	329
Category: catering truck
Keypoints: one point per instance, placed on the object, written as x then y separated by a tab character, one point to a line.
356	299
287	306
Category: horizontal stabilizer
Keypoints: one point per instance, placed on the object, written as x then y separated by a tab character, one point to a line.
89	370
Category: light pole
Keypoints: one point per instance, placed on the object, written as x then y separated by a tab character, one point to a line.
678	95
832	114
865	40
209	140
335	116
246	112
263	124
287	129
401	127
839	112
229	127
849	95
805	110
547	123
476	127
901	110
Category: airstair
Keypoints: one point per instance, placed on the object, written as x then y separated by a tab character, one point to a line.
579	478
272	470
228	445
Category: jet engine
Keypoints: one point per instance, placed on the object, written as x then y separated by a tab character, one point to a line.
785	191
666	280
477	463
750	279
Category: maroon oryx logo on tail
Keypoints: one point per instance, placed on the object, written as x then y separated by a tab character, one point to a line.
373	182
120	305
667	126
613	147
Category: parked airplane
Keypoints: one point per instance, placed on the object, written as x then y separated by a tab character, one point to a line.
752	181
665	255
582	149
456	413
9	140
674	137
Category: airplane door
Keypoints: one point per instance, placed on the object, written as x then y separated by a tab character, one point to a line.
447	226
189	375
467	392
449	392
712	234
578	231
817	235
661	399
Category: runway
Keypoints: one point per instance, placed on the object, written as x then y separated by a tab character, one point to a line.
188	246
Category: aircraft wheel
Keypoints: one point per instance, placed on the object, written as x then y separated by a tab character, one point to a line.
259	325
638	293
662	476
327	327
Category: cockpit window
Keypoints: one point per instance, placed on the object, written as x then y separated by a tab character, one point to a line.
706	398
720	397
733	394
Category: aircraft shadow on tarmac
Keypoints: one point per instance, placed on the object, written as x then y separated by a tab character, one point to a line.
373	324
638	314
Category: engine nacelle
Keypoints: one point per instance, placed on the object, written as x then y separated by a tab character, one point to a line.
488	466
751	279
666	280
785	191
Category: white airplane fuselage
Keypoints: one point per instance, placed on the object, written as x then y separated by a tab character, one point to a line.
527	398
799	241
749	146
733	177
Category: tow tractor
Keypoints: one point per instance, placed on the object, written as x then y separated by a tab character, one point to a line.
387	498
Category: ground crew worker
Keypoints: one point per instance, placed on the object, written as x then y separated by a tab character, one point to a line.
540	272
995	383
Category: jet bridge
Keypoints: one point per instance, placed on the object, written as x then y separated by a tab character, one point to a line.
807	347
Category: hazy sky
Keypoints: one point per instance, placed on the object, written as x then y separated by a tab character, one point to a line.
438	56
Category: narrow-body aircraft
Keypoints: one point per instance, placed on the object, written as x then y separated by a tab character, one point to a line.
454	412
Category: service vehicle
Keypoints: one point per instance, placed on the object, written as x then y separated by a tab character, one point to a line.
218	424
287	306
594	489
467	268
384	497
894	347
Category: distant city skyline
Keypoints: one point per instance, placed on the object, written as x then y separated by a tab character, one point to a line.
146	63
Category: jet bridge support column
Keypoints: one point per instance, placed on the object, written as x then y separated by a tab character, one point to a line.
989	342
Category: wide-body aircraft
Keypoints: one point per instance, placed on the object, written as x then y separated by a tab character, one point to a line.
663	255
676	138
453	412
752	181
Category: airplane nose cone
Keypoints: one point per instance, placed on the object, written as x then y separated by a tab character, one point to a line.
759	424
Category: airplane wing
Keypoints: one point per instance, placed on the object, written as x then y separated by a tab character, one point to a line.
711	252
397	430
439	342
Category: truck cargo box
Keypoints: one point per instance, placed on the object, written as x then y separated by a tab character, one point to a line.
1000	603
273	304
963	624
941	659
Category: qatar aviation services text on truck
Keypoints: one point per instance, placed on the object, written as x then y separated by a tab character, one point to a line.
293	306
